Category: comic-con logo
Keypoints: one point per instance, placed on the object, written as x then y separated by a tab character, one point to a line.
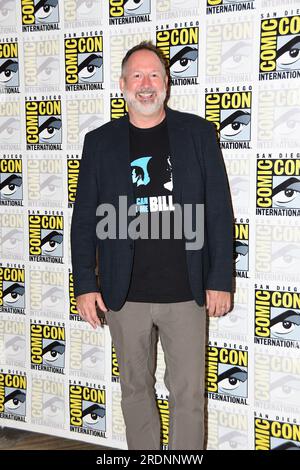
115	372
278	187
277	318
118	107
78	12
180	47
10	125
47	402
84	63
238	170
9	68
223	6
276	435
46	238
12	341
47	294
280	48
86	352
229	51
8	16
276	379
12	290
129	11
277	249
231	113
40	15
41	64
13	389
43	124
278	125
227	374
74	315
164	414
228	429
241	252
72	175
176	8
11	182
44	181
48	346
87	410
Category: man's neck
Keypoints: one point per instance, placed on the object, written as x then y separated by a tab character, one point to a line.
147	121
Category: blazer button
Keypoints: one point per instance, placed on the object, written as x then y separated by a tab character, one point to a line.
131	246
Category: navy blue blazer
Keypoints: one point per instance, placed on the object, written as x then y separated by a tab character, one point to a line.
199	176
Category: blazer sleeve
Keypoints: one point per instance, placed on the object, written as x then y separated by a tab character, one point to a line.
218	217
83	225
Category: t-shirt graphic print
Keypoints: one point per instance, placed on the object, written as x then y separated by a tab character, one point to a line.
149	177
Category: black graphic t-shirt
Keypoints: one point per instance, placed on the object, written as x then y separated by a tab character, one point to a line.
159	267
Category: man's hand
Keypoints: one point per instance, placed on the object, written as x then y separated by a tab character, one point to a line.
86	307
217	302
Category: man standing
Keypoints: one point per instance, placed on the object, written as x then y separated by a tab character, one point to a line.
159	159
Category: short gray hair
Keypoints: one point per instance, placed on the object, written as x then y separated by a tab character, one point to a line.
148	46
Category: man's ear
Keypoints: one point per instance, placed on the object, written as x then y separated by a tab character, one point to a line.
121	83
166	80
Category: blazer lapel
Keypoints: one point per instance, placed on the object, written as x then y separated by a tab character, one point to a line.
122	153
176	140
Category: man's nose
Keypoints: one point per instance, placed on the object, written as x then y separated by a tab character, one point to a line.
146	80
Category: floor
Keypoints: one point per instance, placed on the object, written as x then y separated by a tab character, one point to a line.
16	439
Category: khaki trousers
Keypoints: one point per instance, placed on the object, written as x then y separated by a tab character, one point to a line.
181	327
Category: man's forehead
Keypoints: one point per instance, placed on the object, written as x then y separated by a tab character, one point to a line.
144	58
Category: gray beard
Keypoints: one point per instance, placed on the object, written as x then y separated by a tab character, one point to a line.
145	109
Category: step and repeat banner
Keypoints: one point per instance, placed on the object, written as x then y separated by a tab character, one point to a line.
236	63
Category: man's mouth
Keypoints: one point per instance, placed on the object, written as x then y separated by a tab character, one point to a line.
145	96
